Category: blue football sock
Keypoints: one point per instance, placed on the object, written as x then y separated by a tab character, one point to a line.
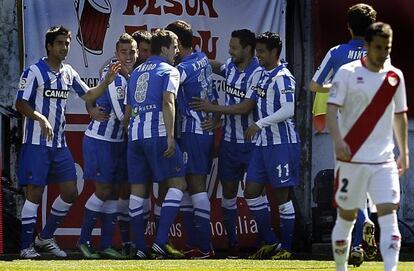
202	208
137	222
123	220
29	217
359	228
57	213
92	210
109	217
187	213
229	209
259	208
169	210
287	224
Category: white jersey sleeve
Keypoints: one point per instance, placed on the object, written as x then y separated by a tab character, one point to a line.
400	97
338	91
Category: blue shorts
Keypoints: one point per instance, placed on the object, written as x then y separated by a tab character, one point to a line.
196	150
40	165
104	161
275	164
233	160
146	161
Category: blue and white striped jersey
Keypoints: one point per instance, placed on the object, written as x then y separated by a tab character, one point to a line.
336	57
145	95
195	81
113	103
47	92
270	89
236	90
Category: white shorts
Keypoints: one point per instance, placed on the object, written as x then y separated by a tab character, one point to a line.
354	181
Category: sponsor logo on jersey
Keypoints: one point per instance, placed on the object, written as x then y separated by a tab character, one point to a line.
56	93
235	91
261	92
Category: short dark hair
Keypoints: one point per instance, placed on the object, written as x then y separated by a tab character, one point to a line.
142	36
378	29
161	38
246	38
183	31
125	38
53	32
360	17
271	40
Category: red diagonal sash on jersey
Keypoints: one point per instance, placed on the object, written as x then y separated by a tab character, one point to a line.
366	122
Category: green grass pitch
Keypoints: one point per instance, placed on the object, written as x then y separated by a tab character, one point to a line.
106	265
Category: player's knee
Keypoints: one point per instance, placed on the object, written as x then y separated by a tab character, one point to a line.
230	189
251	193
70	195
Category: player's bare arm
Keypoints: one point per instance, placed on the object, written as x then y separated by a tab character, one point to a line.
95	92
315	87
127	116
242	108
400	131
342	150
168	111
96	112
26	109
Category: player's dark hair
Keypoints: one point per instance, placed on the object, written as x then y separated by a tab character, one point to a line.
360	17
161	38
142	36
53	32
183	31
271	40
246	38
378	29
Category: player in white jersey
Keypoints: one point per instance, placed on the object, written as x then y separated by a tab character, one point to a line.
360	17
372	101
104	156
44	156
235	150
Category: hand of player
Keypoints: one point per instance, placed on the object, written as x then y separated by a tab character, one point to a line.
200	104
170	147
209	124
97	113
46	129
251	131
114	68
342	150
403	163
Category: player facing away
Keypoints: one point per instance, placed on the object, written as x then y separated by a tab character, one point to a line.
372	101
195	142
360	17
44	156
104	155
152	150
143	40
235	150
276	156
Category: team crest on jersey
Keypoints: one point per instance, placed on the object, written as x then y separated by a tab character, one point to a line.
393	80
142	87
120	94
333	90
22	84
66	78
